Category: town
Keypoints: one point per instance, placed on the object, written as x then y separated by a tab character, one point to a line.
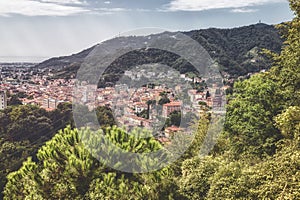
143	105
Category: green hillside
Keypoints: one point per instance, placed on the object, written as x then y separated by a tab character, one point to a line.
237	51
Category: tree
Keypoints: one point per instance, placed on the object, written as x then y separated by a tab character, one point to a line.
263	134
105	116
174	119
164	100
66	170
289	122
196	174
12	154
228	182
14	101
23	129
286	68
28	122
149	103
65	114
250	114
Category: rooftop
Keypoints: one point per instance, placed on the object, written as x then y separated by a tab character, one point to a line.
174	103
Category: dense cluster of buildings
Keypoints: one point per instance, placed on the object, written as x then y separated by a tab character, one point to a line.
36	86
132	106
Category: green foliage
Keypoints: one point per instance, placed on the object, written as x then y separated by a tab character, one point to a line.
289	121
261	160
286	70
231	47
23	179
112	187
234	50
257	157
14	101
196	173
63	112
12	154
24	129
277	178
250	116
66	170
25	123
105	116
164	100
174	119
229	182
256	102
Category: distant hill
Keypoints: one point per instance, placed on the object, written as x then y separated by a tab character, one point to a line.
236	50
65	61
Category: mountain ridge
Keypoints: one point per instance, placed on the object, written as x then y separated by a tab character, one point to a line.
237	50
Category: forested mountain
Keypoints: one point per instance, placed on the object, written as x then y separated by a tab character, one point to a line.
236	50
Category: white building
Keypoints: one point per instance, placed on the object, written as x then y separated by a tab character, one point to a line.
3	100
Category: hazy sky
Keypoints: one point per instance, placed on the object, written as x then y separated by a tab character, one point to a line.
46	28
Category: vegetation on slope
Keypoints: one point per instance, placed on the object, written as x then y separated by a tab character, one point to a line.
257	156
24	129
237	51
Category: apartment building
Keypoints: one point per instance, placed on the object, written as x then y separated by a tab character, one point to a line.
3	100
171	107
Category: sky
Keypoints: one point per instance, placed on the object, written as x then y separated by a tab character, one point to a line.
33	30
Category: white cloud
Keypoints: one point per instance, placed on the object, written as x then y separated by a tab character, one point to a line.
107	11
243	10
107	2
40	8
77	2
51	8
200	5
112	9
143	10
